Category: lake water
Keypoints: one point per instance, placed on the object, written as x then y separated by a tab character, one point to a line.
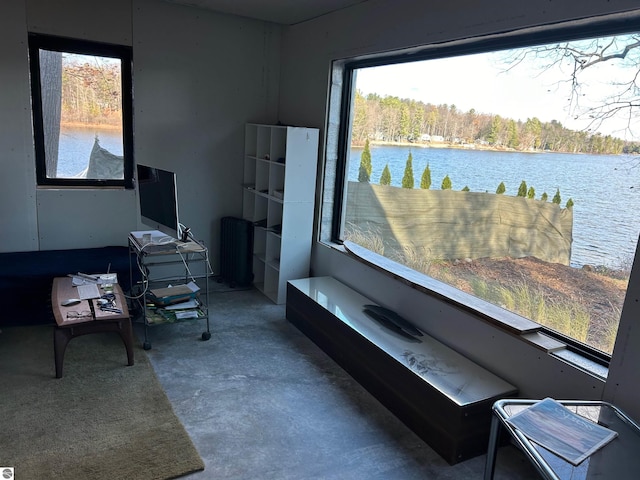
605	189
76	144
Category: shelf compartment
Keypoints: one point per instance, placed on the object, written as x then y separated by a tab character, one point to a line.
251	140
262	176
274	263
272	255
276	181
259	242
261	205
263	141
254	207
278	144
249	173
274	214
248	205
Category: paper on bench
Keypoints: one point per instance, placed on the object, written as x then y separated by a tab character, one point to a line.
90	290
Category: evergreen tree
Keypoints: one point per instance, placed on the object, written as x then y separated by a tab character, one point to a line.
556	197
496	128
425	183
359	125
363	176
544	197
569	203
522	190
364	173
417	119
514	140
531	193
465	189
501	189
533	133
446	183
385	178
407	179
404	122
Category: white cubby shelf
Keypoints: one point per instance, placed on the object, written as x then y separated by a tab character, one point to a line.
279	180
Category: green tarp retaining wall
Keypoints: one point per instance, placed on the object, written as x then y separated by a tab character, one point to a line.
447	224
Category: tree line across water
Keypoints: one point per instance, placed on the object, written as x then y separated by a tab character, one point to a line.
366	169
91	94
396	120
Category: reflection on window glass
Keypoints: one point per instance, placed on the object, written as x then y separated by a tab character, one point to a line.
510	175
82	116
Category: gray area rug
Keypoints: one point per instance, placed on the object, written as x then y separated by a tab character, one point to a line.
101	420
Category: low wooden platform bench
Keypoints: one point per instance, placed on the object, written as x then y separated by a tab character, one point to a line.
442	396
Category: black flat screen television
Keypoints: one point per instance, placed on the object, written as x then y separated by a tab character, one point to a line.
158	196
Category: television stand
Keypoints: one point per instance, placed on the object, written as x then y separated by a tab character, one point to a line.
159	264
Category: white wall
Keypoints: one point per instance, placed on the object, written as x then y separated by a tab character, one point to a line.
80	218
18	216
379	26
199	77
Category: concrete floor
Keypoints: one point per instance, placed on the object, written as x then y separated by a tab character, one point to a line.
261	401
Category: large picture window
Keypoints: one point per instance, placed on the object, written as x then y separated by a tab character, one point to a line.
82	112
506	168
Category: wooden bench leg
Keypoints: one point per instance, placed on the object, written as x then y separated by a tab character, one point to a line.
126	333
61	337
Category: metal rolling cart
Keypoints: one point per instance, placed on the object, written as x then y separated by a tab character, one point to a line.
158	262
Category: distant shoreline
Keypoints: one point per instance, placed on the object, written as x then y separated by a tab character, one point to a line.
88	126
465	146
473	146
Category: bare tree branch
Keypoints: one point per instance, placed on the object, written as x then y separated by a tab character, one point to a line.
575	59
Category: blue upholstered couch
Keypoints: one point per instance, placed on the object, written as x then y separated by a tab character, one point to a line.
26	279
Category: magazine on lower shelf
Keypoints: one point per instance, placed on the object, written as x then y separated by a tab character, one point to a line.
156	316
561	431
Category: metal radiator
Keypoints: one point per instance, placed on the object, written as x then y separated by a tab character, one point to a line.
236	252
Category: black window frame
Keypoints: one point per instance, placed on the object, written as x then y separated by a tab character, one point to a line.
599	26
82	47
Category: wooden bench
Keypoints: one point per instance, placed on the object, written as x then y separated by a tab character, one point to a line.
94	320
444	397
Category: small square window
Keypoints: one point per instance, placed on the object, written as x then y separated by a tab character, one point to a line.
82	104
